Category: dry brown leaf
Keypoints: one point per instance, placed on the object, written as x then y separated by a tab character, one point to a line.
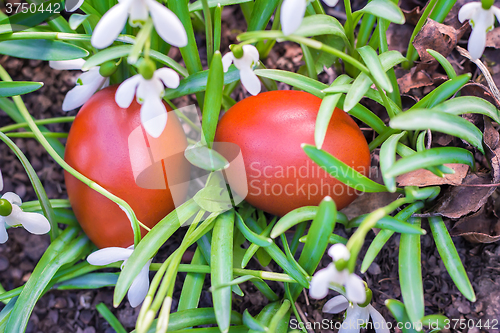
478	228
435	36
424	177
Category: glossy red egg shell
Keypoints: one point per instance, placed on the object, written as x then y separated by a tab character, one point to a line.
270	128
98	147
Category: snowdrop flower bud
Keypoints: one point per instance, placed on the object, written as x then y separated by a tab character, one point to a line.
166	23
139	288
245	64
149	93
482	20
86	85
356	316
292	13
354	285
72	5
12	214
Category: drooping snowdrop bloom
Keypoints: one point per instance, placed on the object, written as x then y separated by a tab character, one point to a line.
86	85
245	65
354	285
482	20
149	93
12	215
72	5
292	13
166	23
139	288
356	316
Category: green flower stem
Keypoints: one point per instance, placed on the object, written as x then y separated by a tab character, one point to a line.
189	53
93	185
110	318
32	135
59	36
357	239
141	40
167	285
383	47
410	53
56	120
209	32
318	8
263	35
382	94
349	25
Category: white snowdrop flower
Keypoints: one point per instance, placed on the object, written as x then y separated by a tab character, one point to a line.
245	65
292	13
482	20
354	285
11	214
86	85
139	288
166	23
149	93
72	5
356	316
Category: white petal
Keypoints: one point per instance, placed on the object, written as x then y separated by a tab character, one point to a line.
468	10
75	7
138	12
292	13
35	223
227	60
250	81
126	91
1	180
250	52
331	3
3	232
110	25
167	24
477	40
320	282
67	64
12	198
169	77
496	11
339	251
109	255
336	305
350	324
105	84
80	94
355	289
379	322
153	116
139	288
149	88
